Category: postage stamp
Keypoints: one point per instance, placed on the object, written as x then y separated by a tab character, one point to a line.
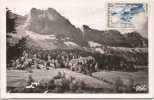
125	15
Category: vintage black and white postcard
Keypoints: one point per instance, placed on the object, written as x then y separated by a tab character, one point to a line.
77	48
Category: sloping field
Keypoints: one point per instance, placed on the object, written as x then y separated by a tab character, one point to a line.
89	81
18	78
140	77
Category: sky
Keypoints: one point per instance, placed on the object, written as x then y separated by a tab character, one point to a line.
78	12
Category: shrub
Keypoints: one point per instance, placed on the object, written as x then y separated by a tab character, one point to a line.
118	85
30	80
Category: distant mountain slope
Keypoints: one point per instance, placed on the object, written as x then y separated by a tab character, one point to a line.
19	20
108	38
136	40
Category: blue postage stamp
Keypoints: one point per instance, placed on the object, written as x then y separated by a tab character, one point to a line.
125	15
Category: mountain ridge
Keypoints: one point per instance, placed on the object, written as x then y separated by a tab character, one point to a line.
50	22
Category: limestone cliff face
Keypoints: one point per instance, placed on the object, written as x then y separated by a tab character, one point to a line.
51	22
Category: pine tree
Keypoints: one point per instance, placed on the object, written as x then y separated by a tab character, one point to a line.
10	21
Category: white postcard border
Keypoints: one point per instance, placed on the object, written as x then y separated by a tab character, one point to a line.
85	95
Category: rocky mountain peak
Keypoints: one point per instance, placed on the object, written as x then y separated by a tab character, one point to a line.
50	22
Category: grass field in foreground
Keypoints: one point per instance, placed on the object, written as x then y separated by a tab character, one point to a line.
18	78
